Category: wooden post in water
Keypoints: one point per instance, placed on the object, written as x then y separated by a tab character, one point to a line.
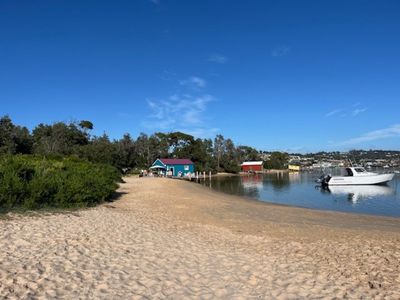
204	174
209	174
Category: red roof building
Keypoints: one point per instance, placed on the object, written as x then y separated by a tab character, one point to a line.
176	161
252	166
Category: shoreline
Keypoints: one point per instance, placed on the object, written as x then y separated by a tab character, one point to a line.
267	202
167	238
297	214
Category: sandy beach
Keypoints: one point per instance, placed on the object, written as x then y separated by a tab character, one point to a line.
172	239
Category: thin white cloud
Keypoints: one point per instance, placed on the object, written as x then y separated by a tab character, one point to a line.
358	111
333	112
218	58
390	132
180	113
193	82
280	51
346	112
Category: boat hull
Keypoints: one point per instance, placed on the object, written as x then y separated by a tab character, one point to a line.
360	180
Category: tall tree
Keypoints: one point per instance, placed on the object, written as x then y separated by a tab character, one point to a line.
159	146
219	143
201	155
86	126
14	139
7	144
230	158
180	144
143	153
125	152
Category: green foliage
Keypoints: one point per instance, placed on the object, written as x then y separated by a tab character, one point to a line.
226	155
14	139
247	153
99	150
58	138
86	125
277	160
201	155
30	182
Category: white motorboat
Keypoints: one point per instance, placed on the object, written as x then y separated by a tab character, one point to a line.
356	176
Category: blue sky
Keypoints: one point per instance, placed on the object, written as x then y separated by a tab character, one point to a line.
277	75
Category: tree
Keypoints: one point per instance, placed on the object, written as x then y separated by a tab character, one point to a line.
158	145
100	150
247	153
219	142
7	144
180	144
86	125
14	139
143	154
277	160
59	138
125	152
230	158
23	140
201	155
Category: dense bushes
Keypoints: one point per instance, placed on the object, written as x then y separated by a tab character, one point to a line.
30	182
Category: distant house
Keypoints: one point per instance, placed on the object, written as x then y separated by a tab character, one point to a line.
294	168
252	166
173	166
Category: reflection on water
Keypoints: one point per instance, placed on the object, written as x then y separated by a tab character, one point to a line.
253	181
361	192
242	186
300	189
279	182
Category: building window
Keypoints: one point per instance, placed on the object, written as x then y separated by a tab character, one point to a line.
186	168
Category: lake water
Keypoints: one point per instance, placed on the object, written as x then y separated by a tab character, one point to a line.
300	189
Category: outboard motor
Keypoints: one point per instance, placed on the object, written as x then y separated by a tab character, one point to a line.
324	179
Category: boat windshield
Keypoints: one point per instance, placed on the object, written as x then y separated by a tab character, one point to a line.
360	170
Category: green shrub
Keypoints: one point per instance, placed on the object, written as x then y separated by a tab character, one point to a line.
30	182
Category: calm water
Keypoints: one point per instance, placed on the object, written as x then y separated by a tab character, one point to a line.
300	189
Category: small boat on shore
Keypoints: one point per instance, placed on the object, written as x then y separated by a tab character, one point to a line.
356	176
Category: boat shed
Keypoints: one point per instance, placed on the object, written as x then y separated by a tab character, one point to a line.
252	166
173	166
